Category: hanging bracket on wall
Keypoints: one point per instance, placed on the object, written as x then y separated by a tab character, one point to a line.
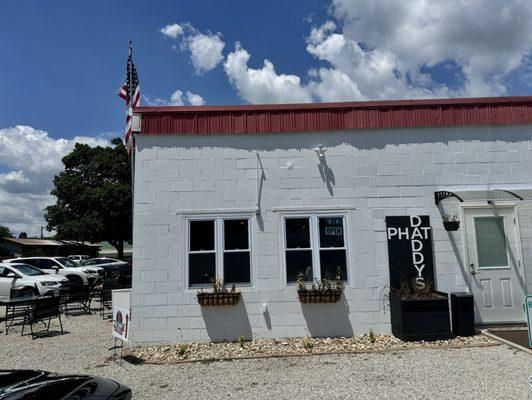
510	193
443	194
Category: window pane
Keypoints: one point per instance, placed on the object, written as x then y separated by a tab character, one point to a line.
299	261
201	235
236	267
330	260
297	233
201	268
236	234
491	242
331	232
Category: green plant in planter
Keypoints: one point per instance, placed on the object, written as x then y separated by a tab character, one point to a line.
449	218
325	290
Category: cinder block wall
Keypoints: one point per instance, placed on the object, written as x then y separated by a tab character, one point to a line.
374	173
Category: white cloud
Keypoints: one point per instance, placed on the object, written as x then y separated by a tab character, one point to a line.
205	48
195	99
263	85
30	158
172	30
177	98
485	39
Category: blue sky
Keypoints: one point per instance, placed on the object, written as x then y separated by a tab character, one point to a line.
63	62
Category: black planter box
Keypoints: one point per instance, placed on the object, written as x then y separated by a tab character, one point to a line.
420	319
451	225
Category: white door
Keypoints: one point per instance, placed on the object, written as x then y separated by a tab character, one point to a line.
494	264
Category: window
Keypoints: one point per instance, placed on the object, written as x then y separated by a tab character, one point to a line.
219	247
315	246
491	242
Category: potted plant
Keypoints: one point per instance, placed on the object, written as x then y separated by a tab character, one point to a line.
324	291
219	296
451	223
419	313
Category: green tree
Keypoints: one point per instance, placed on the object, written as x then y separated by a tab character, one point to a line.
5	231
23	235
94	201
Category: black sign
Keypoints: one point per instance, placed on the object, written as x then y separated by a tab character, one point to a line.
409	249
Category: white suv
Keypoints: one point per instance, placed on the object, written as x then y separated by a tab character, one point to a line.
79	258
63	266
26	276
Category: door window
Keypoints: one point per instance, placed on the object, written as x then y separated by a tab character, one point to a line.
491	242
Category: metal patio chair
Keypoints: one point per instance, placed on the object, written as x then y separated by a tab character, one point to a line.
42	309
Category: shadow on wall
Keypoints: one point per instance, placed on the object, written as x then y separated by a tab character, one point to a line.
363	139
227	322
328	320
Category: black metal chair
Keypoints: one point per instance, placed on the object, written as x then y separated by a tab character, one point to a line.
44	307
77	296
104	294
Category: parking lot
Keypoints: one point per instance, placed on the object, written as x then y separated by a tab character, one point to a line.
496	372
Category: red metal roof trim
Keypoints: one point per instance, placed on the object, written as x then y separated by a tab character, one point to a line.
317	117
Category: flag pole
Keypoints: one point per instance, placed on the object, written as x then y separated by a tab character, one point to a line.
132	159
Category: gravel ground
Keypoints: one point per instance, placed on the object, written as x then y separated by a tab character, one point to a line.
495	372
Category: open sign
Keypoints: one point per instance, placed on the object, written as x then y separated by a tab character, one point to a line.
333	230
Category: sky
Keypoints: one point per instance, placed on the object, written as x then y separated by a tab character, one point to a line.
62	63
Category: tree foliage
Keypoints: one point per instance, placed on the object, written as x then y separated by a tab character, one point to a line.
94	201
23	235
5	231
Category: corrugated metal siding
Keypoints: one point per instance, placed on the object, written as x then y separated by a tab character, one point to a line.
335	116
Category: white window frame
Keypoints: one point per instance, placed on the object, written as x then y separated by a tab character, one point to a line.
219	247
315	244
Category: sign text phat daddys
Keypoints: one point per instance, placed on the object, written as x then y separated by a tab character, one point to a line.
410	250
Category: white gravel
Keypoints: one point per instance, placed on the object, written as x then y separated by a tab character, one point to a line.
495	372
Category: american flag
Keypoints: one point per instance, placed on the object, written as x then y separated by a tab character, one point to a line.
130	92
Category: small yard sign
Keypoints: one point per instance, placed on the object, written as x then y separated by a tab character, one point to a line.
528	305
121	320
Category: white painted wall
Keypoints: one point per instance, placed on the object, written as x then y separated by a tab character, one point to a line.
373	173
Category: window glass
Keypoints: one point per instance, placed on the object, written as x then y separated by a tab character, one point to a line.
331	231
491	242
297	233
330	262
3	272
236	234
237	267
28	270
299	261
44	263
202	268
201	235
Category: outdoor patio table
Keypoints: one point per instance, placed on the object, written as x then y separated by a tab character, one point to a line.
12	304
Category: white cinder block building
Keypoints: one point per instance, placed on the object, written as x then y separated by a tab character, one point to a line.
256	194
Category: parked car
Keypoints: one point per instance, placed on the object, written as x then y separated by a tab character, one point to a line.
76	274
34	384
26	276
115	269
79	258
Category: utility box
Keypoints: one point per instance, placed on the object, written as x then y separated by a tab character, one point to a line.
463	314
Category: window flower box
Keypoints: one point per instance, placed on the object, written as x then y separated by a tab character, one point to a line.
206	299
319	296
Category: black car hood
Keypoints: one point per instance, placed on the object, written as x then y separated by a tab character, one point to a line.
41	385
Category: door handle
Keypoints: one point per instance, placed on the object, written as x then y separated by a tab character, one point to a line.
472	268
